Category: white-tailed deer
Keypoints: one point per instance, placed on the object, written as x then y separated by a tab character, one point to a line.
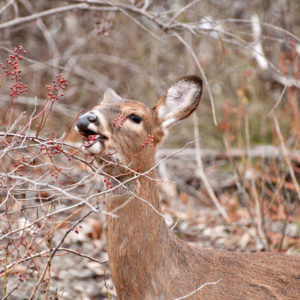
147	260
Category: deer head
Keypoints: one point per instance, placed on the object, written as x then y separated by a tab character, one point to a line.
126	132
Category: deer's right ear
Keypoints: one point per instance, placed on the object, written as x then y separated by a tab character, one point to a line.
179	101
111	97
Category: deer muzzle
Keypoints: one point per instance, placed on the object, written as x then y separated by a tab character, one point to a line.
87	125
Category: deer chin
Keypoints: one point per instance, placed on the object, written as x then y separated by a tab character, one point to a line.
94	148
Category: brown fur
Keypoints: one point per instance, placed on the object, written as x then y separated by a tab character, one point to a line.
147	260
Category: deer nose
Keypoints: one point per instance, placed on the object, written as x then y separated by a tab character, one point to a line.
85	120
92	118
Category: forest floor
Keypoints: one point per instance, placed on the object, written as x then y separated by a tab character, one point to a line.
83	276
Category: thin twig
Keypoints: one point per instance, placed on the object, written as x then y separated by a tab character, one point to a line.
11	291
7	5
49	12
286	156
182	10
189	48
278	101
198	289
202	174
53	254
42	253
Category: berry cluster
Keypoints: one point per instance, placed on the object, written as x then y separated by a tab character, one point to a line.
150	139
11	68
21	276
90	139
19	169
75	229
108	184
5	143
52	148
58	86
119	121
55	176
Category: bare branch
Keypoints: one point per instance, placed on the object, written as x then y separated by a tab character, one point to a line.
198	289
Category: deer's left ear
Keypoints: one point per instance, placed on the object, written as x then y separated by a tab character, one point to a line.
111	97
179	101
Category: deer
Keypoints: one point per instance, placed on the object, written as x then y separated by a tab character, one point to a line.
147	260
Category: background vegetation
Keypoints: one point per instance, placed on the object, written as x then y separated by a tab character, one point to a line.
243	164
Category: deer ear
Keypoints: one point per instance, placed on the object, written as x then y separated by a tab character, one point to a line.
179	101
111	97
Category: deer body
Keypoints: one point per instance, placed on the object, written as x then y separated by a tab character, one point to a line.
147	260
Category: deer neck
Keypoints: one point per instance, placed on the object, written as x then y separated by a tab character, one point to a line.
132	182
136	235
134	203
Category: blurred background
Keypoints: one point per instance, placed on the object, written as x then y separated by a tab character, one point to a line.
236	187
248	50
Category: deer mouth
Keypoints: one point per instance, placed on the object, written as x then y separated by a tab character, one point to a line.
90	139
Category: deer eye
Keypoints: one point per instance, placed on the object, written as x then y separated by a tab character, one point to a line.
135	118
